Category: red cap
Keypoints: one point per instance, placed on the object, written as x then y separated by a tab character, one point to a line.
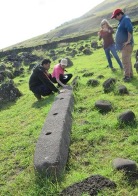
117	11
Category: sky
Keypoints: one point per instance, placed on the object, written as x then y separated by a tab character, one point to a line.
24	19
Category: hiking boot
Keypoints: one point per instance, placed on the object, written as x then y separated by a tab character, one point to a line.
127	79
37	96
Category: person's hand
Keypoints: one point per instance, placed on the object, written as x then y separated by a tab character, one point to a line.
62	91
126	43
65	86
99	33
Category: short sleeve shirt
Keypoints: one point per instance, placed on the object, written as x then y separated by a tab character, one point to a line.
58	70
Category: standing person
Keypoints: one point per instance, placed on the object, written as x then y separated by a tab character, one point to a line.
106	33
124	41
40	80
58	75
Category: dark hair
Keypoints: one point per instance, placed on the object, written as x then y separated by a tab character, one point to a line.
120	13
45	61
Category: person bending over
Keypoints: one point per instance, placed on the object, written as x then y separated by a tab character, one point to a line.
40	82
58	75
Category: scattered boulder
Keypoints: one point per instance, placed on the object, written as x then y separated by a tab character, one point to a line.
81	48
136	66
100	76
124	164
17	72
8	92
52	53
73	53
75	82
1	77
68	49
93	82
70	63
87	51
94	44
28	58
2	68
109	85
126	117
54	58
88	74
103	106
17	65
12	57
122	90
32	65
5	73
91	185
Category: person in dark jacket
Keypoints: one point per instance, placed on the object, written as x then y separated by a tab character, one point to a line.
40	80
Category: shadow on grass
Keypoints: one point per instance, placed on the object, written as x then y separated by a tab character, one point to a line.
46	186
44	101
6	105
131	125
132	178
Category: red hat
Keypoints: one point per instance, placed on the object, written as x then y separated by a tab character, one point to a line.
117	11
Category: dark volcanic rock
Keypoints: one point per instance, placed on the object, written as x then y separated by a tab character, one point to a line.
91	185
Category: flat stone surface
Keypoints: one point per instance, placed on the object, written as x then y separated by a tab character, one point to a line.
52	147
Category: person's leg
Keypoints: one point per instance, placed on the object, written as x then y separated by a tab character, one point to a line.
113	50
126	59
108	56
65	78
41	90
54	80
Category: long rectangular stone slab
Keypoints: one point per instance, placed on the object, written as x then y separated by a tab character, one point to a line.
52	147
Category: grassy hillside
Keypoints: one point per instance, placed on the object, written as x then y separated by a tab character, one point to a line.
87	23
96	139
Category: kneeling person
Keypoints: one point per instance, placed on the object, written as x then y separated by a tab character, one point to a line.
40	80
58	75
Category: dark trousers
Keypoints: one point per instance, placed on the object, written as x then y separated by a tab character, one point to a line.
41	90
63	78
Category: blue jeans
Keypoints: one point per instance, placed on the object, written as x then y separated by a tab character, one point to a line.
108	56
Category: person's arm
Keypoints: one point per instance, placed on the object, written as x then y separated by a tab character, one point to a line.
129	37
128	40
45	80
129	28
99	35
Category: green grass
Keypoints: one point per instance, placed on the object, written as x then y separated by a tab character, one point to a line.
96	139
